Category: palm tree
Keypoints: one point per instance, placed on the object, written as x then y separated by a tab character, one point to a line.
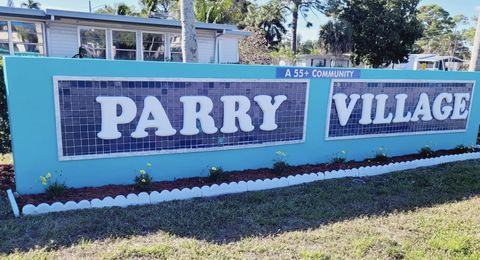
149	7
117	9
189	37
31	4
123	9
221	11
162	8
303	7
270	18
336	37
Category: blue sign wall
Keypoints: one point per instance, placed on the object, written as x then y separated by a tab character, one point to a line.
97	122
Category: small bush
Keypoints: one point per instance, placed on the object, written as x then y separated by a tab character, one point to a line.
215	174
5	146
279	167
381	155
143	182
53	189
339	157
426	152
279	164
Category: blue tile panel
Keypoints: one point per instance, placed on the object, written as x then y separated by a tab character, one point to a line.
80	117
412	89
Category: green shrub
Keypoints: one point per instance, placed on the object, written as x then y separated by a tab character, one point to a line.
279	167
279	164
339	157
426	152
215	174
53	189
381	155
4	126
143	181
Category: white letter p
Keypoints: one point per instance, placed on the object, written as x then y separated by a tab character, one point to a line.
110	119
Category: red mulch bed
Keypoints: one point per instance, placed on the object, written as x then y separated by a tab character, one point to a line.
7	179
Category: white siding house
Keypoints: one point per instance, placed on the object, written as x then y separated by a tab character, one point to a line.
59	33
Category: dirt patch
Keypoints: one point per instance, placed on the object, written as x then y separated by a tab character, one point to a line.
7	179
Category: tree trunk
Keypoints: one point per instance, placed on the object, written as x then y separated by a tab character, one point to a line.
475	62
189	37
294	26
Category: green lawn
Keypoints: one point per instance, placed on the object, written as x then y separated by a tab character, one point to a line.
426	213
6	158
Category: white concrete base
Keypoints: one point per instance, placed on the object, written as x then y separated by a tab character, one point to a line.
234	187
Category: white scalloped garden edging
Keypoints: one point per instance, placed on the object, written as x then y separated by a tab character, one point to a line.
156	197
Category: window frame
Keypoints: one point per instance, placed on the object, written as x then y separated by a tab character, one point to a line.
9	37
139	41
170	46
11	48
112	57
167	47
79	39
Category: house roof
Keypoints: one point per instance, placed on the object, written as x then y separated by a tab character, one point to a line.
53	14
22	12
435	58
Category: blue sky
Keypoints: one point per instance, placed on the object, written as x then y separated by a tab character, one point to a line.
468	8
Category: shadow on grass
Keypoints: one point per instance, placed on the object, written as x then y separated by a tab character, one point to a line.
230	218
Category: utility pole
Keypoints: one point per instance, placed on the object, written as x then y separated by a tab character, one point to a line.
90	6
475	62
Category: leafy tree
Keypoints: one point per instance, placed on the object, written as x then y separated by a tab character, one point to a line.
118	9
270	18
31	4
254	49
383	31
469	33
336	37
441	32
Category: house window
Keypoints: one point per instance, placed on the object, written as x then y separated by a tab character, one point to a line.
124	45
93	43
27	38
4	38
175	48
153	46
21	38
